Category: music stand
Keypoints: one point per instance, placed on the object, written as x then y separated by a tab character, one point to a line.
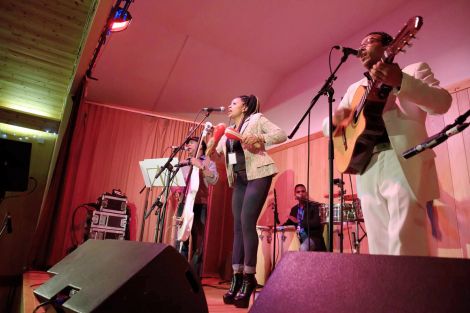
168	178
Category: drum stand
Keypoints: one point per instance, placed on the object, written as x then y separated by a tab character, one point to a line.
340	184
356	239
276	222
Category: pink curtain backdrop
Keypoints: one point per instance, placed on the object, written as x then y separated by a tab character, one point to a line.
105	151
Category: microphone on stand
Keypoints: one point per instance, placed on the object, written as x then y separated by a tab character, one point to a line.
338	182
176	147
346	50
183	164
433	141
219	109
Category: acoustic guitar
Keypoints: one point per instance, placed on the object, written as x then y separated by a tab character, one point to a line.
192	187
354	140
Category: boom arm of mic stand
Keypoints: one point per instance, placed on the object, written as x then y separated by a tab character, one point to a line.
173	154
435	140
323	91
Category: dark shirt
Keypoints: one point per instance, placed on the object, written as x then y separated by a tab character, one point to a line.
235	146
310	221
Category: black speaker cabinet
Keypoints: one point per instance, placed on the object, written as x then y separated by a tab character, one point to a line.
329	282
124	276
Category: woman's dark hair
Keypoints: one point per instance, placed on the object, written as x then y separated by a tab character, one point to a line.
385	38
252	104
252	107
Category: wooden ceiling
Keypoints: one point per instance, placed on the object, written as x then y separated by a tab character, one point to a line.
40	45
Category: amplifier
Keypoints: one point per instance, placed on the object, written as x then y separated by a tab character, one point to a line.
109	221
113	204
106	233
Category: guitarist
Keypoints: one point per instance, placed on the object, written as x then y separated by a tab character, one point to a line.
394	191
208	175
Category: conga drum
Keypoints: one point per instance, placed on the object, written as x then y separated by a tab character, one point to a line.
263	263
286	240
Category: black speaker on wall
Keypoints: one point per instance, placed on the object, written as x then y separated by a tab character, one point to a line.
332	282
123	276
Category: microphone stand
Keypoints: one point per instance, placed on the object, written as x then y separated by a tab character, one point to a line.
158	236
326	89
276	222
167	165
440	137
157	203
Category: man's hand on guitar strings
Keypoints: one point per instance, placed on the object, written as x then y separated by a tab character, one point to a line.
388	74
340	115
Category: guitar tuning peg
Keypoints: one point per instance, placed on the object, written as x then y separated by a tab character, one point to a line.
409	44
403	50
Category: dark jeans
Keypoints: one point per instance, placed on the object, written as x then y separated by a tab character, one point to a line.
247	201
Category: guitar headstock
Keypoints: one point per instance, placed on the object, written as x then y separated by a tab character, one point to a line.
404	37
207	127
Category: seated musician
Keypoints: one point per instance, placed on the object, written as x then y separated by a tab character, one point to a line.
207	175
307	228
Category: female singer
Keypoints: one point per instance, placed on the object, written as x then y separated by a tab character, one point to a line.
249	171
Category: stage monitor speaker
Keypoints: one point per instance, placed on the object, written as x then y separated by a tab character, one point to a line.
124	276
331	282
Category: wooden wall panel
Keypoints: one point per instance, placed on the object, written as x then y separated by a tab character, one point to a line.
458	153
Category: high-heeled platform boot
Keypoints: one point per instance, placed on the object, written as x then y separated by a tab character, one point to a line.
237	281
242	299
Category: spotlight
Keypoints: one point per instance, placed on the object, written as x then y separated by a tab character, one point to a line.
122	19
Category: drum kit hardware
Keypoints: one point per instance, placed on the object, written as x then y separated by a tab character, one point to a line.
346	197
352	212
350	208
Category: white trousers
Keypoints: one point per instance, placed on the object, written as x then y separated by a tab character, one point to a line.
395	221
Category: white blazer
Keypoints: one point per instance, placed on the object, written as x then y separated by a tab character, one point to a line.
405	116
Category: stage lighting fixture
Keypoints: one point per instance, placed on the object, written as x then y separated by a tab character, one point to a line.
122	19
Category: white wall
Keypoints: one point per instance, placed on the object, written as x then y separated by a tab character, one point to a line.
443	42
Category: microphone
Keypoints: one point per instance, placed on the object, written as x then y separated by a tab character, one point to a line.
346	50
433	141
183	164
338	182
219	109
176	147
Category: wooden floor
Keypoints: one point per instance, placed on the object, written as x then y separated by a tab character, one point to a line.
213	289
